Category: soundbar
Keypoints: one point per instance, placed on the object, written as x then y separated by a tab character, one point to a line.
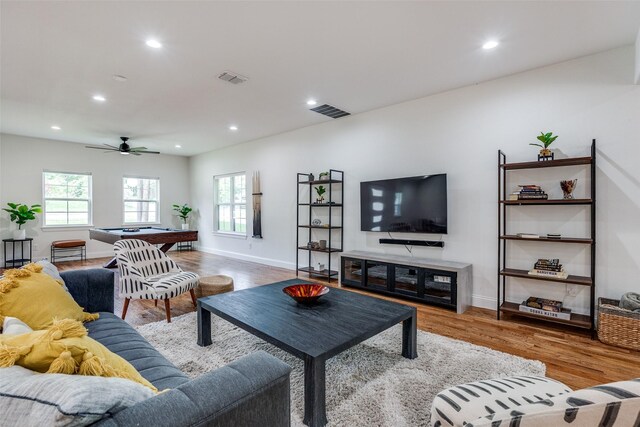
432	243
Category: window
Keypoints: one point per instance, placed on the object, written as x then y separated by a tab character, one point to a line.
67	198
141	199
230	209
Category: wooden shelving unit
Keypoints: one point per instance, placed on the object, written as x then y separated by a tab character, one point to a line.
504	306
334	243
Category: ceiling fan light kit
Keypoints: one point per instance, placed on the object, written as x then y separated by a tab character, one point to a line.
125	149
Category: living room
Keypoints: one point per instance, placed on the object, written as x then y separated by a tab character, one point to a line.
225	92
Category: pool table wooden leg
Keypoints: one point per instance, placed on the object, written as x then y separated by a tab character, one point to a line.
193	297
165	248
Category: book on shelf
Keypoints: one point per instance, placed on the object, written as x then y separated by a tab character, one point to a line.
528	235
544	304
548	265
547	273
528	192
565	314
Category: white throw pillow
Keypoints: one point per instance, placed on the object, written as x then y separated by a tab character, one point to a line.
14	326
30	399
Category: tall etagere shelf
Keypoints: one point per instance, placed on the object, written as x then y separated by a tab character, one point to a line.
583	321
304	222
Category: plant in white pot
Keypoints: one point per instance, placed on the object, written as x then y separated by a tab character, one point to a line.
183	212
20	214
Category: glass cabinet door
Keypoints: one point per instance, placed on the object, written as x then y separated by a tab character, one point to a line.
440	285
405	280
352	272
377	274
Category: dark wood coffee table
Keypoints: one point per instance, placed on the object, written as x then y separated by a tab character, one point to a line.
341	320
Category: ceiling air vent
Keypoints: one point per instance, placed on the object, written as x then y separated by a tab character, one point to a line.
330	111
231	77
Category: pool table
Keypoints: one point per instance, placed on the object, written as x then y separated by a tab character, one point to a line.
167	237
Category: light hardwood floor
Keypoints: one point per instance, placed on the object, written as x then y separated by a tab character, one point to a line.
571	356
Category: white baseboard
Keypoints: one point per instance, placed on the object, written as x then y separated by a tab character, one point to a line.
260	260
483	302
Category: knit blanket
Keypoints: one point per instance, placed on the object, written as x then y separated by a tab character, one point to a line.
630	301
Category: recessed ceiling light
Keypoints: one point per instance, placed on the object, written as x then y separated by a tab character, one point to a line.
54	127
490	44
99	98
233	127
178	146
154	43
312	102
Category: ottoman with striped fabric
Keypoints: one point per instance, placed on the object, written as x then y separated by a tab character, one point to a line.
531	401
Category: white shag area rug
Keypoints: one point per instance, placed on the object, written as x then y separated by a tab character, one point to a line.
370	384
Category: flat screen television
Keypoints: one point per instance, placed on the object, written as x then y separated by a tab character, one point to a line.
409	205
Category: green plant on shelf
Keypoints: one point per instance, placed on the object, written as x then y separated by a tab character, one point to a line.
320	190
546	140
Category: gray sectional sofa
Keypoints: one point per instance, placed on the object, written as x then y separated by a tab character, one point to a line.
252	391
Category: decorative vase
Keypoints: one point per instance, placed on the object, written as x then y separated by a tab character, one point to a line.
19	234
567	188
185	226
545	152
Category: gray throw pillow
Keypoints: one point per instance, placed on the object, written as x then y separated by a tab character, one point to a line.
52	271
28	398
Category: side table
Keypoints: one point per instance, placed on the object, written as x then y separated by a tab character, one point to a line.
17	262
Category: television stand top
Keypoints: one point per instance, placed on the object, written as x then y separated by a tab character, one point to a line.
436	264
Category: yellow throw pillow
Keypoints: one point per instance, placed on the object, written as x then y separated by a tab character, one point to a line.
65	348
36	298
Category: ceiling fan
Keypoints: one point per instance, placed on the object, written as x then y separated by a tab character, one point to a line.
123	148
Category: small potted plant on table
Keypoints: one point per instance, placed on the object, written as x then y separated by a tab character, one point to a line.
183	212
320	190
20	214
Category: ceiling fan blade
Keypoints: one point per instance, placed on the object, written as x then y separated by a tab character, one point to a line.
134	153
149	152
138	148
111	146
101	148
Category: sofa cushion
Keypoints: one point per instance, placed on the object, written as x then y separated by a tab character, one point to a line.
65	348
119	337
31	399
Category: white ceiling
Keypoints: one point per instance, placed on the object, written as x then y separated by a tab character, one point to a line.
357	56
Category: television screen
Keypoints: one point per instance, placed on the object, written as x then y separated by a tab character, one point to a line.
408	205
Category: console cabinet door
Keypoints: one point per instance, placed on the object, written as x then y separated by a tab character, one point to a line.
377	276
352	272
406	280
440	287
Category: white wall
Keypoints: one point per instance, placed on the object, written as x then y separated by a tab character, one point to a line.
458	133
637	80
22	161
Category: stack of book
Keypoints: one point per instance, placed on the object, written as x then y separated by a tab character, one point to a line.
545	307
548	268
529	192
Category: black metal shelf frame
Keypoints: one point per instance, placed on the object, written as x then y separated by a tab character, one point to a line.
503	168
336	177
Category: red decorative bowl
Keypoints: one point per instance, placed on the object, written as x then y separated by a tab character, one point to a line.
306	293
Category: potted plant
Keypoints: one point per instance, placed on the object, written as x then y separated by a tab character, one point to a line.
20	214
324	176
183	212
546	139
320	190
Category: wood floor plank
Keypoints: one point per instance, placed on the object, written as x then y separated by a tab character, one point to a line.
571	356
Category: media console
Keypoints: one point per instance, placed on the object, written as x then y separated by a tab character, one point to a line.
437	282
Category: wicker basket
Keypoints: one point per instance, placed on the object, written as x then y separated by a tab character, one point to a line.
617	326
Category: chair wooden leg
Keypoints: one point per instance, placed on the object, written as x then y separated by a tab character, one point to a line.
125	307
167	307
193	297
156	302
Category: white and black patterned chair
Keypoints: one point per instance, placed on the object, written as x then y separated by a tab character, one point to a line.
531	401
148	273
